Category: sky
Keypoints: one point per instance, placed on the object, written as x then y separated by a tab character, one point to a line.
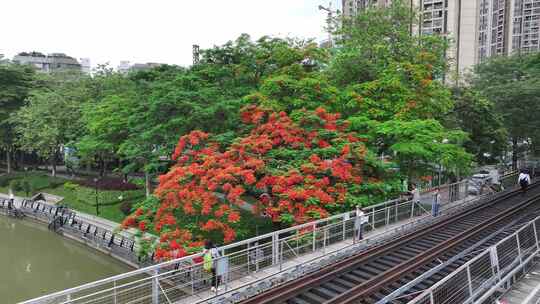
141	31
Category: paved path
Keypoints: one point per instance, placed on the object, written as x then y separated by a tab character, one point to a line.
526	290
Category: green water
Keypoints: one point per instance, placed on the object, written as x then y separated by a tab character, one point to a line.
36	262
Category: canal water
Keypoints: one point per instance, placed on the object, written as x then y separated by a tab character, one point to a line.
35	261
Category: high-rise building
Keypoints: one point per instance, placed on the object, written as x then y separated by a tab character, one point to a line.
525	21
86	66
126	67
123	67
478	29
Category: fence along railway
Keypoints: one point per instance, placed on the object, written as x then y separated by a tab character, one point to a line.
398	271
183	280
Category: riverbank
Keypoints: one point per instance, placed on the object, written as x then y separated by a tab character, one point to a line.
100	234
36	262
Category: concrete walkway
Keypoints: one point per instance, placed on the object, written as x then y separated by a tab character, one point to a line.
526	290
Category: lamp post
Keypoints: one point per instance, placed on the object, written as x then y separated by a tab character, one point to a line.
26	181
444	141
328	21
97	200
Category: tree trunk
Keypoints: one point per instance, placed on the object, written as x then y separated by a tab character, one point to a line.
514	153
101	167
148	184
8	159
104	166
22	159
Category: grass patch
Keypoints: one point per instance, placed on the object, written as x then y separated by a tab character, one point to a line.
84	199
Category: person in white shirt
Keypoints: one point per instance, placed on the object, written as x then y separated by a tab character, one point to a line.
361	220
415	194
524	181
435	205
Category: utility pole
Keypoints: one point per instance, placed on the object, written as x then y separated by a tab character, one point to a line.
196	54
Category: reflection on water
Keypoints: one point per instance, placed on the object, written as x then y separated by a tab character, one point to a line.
35	261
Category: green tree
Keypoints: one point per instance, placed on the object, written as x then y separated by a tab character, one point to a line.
51	119
380	39
513	84
15	84
393	90
140	123
478	116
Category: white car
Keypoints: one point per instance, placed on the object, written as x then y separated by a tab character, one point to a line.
478	181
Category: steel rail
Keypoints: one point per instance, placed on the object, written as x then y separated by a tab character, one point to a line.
409	266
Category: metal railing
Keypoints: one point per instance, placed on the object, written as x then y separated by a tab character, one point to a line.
179	279
478	279
295	271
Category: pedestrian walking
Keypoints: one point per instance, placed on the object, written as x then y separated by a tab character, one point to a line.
436	203
524	181
360	221
211	255
415	194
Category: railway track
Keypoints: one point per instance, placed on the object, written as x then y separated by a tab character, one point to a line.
373	275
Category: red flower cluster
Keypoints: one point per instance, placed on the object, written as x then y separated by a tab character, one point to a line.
207	185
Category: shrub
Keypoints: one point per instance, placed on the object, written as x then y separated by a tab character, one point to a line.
109	183
16	185
139	182
26	186
6	179
126	207
69	186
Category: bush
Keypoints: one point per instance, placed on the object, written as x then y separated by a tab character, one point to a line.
69	186
109	183
43	181
139	182
16	185
26	186
6	179
126	207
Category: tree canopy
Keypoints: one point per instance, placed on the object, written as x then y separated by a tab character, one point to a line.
513	84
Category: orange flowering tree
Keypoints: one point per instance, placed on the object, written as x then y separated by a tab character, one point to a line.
293	171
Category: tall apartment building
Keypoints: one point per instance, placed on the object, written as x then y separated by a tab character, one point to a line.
478	29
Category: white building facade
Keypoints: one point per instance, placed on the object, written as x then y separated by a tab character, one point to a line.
47	63
478	29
